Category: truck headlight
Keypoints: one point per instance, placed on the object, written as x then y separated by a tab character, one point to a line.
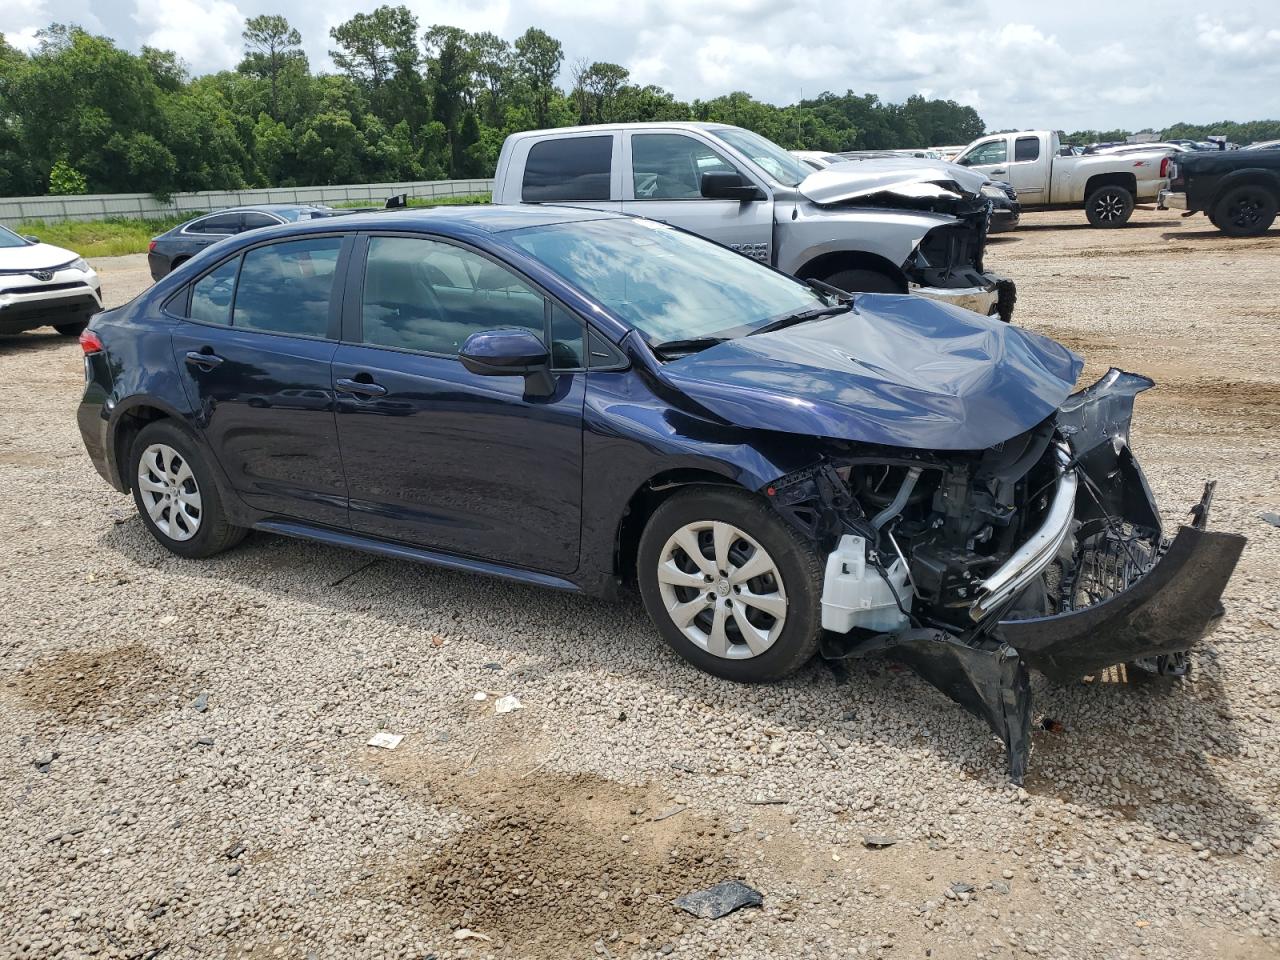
994	192
81	265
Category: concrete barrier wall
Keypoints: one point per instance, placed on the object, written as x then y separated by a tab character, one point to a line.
143	206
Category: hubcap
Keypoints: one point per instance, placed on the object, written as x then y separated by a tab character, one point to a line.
169	492
722	590
1246	211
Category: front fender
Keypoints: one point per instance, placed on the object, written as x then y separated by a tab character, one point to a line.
816	231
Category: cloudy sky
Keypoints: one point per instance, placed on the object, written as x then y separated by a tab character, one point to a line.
1070	65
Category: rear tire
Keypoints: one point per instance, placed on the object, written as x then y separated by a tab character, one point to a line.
175	493
1109	206
1245	211
71	329
863	281
722	631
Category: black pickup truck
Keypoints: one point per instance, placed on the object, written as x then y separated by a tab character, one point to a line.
1239	190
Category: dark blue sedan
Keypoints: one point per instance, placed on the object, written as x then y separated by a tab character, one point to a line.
581	400
175	247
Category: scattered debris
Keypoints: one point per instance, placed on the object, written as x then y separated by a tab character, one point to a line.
462	933
507	704
765	801
1271	518
1052	725
480	696
714	902
387	741
667	814
201	703
437	641
236	850
961	887
1142	924
491	666
875	841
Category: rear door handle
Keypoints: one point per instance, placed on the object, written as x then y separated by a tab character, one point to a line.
205	361
359	388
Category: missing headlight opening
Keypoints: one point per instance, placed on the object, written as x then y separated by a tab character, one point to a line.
1044	552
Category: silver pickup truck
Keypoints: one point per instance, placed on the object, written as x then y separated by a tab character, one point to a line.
896	226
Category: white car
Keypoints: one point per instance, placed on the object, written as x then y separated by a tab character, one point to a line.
44	286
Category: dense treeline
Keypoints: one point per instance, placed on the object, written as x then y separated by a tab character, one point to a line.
1238	133
78	114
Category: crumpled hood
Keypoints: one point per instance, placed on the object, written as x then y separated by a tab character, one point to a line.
908	176
896	370
37	256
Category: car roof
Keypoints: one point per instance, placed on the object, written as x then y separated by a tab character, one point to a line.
457	219
611	127
265	207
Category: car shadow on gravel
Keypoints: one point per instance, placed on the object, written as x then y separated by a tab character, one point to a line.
1147	752
1086	225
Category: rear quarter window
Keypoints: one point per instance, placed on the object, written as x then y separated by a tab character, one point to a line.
1026	148
571	168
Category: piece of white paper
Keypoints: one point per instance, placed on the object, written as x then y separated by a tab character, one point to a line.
387	741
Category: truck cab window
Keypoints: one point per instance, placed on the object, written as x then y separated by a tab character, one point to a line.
569	168
669	166
1026	149
993	151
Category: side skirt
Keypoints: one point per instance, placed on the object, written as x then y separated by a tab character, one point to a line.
400	551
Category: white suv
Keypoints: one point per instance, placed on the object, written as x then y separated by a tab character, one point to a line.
44	286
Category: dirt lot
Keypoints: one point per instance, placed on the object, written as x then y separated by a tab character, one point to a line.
183	766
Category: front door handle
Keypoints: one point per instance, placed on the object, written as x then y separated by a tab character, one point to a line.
999	173
205	361
360	388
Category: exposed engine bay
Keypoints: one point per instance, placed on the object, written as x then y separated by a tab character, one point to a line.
1045	551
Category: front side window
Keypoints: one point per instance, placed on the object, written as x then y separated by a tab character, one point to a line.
1026	148
568	168
993	151
211	294
10	239
287	287
667	284
430	296
669	166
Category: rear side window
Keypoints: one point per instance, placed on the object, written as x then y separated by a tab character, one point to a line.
572	168
287	287
211	294
1026	148
222	224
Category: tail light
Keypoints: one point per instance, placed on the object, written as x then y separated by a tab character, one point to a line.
1164	169
151	247
90	343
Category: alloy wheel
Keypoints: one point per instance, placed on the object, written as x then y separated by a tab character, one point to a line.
1109	206
1246	212
722	590
169	491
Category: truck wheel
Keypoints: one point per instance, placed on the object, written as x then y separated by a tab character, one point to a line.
863	281
1109	206
1245	211
730	585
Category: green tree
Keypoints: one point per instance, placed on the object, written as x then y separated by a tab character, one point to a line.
65	180
537	61
271	46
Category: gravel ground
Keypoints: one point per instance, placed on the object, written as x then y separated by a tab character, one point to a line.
184	771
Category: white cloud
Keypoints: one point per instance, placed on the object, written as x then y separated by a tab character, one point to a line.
204	33
1243	40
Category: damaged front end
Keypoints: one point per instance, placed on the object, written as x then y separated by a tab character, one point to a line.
1043	552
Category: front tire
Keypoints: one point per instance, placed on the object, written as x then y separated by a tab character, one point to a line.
1245	211
175	493
730	586
1109	206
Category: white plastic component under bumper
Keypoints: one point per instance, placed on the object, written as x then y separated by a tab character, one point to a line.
854	594
981	300
1030	559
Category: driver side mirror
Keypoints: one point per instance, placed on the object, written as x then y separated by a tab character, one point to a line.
510	353
723	185
31	238
962	161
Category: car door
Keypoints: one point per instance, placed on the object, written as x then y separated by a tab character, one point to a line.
254	351
441	457
1025	171
663	182
989	156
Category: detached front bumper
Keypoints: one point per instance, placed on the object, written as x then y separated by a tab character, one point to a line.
995	297
1171	200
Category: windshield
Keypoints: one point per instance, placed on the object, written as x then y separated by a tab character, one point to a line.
766	154
667	284
10	239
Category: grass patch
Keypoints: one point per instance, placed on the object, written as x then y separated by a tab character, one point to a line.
458	199
100	238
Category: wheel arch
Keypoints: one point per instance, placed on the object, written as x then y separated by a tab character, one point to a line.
1254	176
1128	181
822	266
129	418
645	499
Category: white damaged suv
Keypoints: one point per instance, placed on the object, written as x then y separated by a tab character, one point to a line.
44	286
